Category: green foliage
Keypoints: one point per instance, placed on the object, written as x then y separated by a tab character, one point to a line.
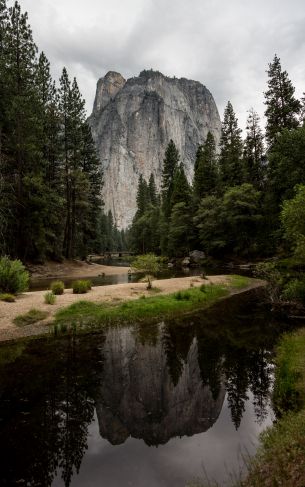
253	152
81	286
282	108
57	287
205	169
31	317
230	160
230	222
150	264
294	290
293	221
13	276
270	273
170	164
7	298
49	298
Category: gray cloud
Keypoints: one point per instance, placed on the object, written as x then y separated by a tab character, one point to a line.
224	44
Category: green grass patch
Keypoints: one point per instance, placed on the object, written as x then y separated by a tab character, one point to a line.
280	458
7	298
238	282
152	307
49	298
289	389
32	316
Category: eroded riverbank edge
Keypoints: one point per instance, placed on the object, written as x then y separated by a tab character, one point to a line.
112	294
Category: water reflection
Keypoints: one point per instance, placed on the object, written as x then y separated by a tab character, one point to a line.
160	384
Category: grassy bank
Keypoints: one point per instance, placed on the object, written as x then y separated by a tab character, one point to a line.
144	308
89	314
280	460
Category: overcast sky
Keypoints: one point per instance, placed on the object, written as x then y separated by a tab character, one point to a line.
225	44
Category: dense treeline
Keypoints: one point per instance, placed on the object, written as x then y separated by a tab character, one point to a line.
234	204
50	175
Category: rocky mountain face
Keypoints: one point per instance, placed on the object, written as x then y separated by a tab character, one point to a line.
133	121
137	396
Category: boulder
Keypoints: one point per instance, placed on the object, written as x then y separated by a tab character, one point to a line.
197	256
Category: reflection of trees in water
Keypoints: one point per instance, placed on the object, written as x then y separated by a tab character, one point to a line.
45	408
48	390
176	343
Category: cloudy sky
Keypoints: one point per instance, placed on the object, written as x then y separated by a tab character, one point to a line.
225	44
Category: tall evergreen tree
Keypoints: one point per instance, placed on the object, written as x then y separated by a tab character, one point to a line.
282	107
152	190
230	160
205	170
170	165
181	189
254	151
23	142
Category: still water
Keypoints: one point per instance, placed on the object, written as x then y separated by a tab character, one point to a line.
154	405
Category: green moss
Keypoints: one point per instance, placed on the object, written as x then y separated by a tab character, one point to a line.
32	316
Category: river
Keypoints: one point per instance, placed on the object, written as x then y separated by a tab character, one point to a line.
154	405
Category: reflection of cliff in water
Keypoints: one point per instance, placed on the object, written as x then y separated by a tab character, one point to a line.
137	396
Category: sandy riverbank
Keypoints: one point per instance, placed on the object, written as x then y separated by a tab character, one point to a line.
73	269
108	294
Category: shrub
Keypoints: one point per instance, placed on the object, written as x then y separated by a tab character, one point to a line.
89	284
57	287
49	298
13	276
294	291
203	288
182	296
150	264
32	316
8	298
80	287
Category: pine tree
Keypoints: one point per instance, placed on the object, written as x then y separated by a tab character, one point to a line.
282	107
254	152
181	189
230	160
142	197
170	165
205	170
302	110
153	197
23	140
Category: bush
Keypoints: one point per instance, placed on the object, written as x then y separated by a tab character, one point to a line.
294	291
89	284
182	296
81	287
57	287
13	276
8	298
49	298
32	316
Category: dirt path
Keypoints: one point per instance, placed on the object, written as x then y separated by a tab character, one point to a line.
111	294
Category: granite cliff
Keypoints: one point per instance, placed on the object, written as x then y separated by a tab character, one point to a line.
132	122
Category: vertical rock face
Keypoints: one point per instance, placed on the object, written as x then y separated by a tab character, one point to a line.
133	121
137	397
